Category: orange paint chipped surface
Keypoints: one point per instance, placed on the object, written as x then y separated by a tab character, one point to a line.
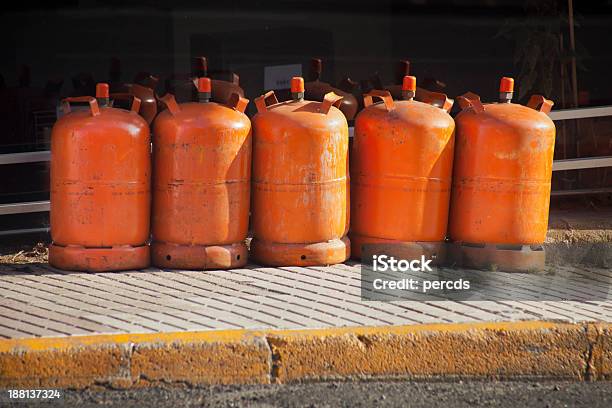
100	189
300	179
502	175
202	157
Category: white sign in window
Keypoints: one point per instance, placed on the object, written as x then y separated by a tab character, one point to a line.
279	76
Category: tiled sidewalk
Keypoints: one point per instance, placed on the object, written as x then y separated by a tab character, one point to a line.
39	301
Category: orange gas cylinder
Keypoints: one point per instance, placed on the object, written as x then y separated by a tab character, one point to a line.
201	183
401	166
300	183
501	182
100	187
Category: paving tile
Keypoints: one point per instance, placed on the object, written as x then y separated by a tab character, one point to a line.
42	301
27	327
123	326
13	333
176	321
542	311
42	320
574	313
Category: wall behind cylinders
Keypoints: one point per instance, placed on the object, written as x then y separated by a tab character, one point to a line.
62	43
456	42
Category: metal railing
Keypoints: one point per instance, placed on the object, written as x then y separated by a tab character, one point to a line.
586	162
21	208
27	207
582	163
581	113
558	165
26	157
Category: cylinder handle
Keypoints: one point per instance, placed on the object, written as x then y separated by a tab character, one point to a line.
330	99
445	103
471	101
237	102
261	102
170	102
439	100
540	103
93	104
126	96
384	95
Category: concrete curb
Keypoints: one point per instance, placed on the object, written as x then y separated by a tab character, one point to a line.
537	349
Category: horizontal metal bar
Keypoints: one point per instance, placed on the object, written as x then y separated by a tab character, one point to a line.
26	157
602	190
43	206
20	208
582	163
24	231
581	113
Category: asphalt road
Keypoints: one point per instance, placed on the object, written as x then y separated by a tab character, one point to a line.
354	394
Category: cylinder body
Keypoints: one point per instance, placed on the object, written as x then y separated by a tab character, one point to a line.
100	190
300	184
401	165
201	194
502	173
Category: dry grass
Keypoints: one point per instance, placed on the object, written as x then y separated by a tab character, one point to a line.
24	254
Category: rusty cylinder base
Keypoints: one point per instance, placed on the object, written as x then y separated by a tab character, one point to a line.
313	254
78	258
498	257
198	257
436	251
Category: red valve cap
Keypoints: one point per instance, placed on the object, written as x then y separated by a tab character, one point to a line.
409	83
506	84
204	85
297	84
102	90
